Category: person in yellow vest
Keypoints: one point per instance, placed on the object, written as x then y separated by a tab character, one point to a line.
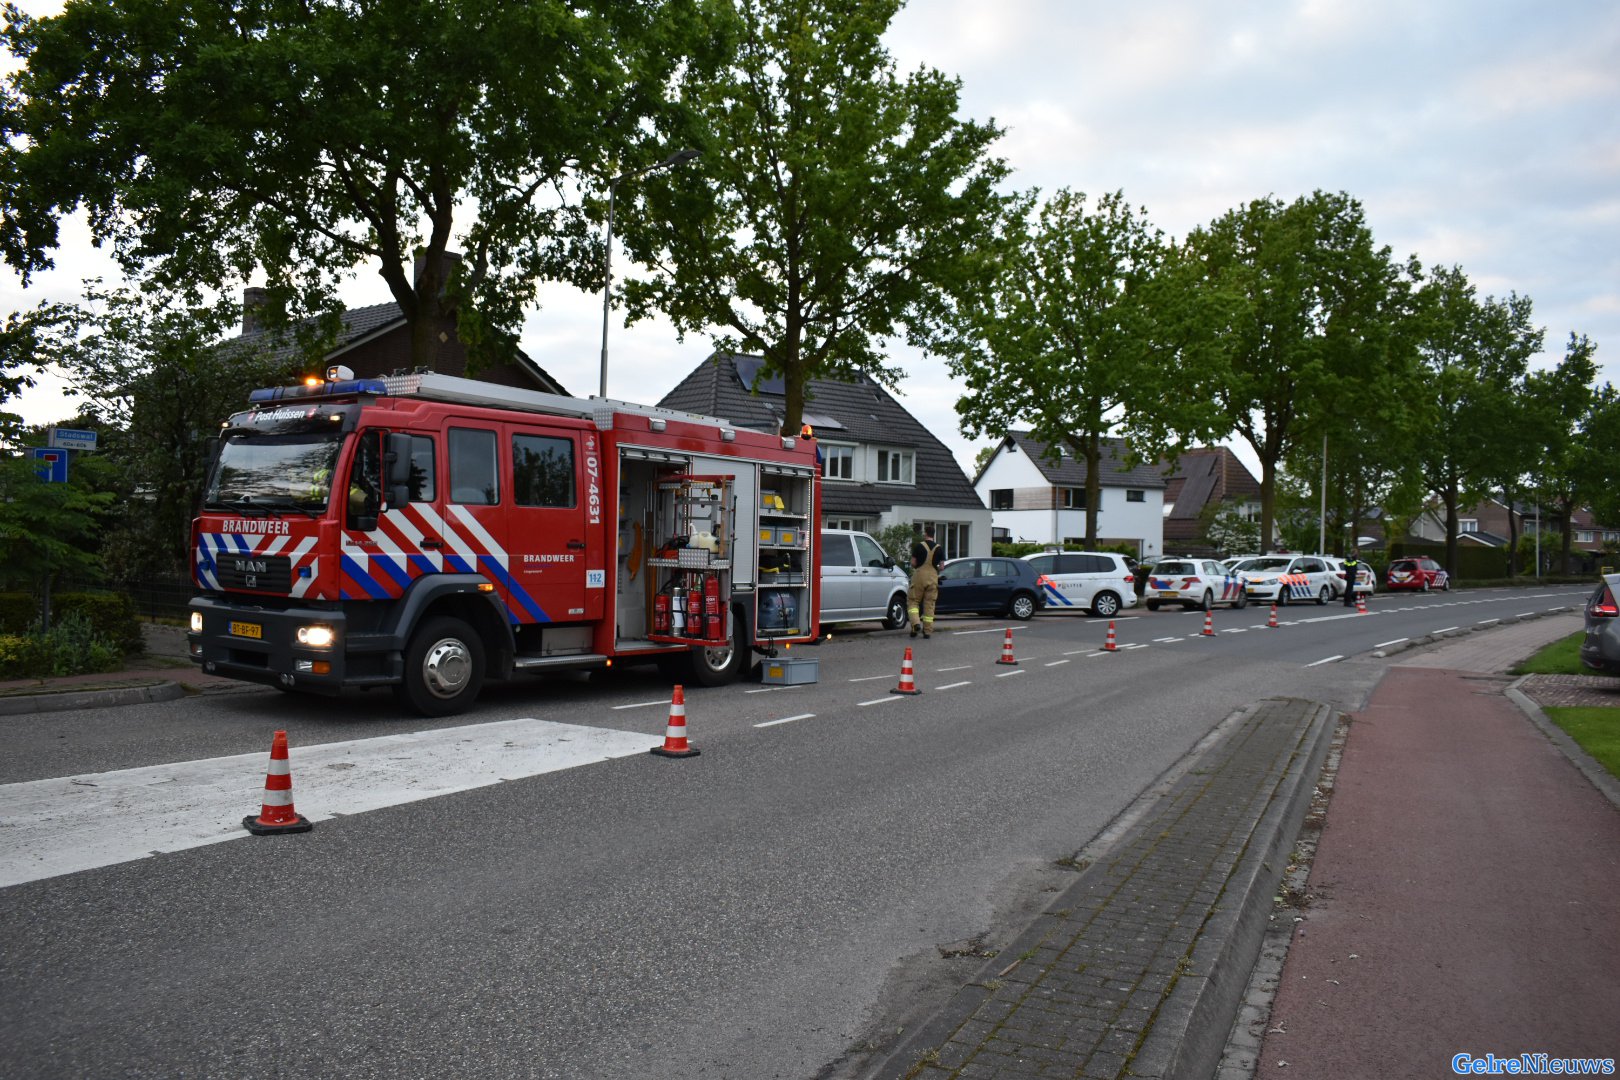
925	560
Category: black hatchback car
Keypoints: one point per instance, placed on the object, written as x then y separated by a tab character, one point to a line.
993	586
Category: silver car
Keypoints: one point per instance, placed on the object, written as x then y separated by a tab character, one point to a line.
1600	648
859	582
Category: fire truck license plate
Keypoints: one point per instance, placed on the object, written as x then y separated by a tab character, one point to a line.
247	629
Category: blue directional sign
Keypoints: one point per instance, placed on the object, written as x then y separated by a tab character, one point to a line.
51	464
71	439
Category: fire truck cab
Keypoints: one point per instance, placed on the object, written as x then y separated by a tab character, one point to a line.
427	533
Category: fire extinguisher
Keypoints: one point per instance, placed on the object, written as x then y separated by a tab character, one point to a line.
661	614
677	611
711	608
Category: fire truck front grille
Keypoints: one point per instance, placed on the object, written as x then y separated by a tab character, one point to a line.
264	573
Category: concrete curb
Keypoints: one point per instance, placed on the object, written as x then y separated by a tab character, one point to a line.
1484	624
1597	774
1189	1031
68	700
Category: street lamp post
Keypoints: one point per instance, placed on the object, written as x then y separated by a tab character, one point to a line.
680	157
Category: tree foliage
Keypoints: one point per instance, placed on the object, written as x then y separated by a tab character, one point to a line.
1058	332
833	204
1473	352
307	138
156	384
1299	305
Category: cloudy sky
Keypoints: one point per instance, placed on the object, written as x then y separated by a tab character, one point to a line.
1478	133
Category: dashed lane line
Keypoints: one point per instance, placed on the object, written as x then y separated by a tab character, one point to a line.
1387	644
1325	660
786	720
954	685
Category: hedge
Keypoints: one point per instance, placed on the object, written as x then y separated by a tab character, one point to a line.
111	616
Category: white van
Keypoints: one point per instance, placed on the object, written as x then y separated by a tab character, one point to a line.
1099	581
859	581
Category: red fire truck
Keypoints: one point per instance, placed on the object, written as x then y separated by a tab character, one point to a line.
427	533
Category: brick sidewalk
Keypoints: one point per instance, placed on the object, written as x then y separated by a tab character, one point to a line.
1113	978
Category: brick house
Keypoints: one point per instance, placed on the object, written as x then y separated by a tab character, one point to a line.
374	341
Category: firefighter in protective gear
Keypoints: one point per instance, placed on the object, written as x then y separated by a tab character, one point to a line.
925	560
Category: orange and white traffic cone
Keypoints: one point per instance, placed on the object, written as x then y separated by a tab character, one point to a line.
675	744
1110	644
908	680
277	815
1361	603
1007	650
1272	622
1209	624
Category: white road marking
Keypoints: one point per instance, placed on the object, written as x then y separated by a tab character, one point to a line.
1325	660
65	825
870	678
958	667
967	633
1014	671
641	704
881	700
1138	645
1447	630
1386	644
1166	640
786	720
1055	663
954	685
1099	652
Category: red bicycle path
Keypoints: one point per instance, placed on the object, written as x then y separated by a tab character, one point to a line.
1466	896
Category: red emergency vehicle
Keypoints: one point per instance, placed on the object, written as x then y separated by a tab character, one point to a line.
427	533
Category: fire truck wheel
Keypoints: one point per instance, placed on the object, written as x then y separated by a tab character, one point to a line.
444	667
718	665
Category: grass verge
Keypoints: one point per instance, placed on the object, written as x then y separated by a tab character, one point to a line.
1596	729
1562	657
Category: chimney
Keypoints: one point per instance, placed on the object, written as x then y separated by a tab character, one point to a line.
447	264
254	300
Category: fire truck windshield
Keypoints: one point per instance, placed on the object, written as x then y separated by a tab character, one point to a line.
268	474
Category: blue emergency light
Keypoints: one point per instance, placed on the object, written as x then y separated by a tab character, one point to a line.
318	388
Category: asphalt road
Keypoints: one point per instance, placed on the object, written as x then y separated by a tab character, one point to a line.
768	909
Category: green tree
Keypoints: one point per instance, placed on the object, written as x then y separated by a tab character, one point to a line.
157	383
1297	305
49	531
835	201
1056	332
306	138
1597	457
1472	353
1227	530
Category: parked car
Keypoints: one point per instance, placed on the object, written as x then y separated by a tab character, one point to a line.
1366	580
1283	578
994	586
1600	648
1099	581
1421	573
859	581
1193	583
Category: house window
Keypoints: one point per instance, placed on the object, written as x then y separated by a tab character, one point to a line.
1072	498
1468	525
1001	498
951	536
1132	495
895	466
852	524
837	462
1584	536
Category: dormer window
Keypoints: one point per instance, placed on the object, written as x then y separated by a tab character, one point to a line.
896	466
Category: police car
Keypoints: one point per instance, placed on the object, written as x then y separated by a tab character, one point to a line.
1193	583
1283	579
